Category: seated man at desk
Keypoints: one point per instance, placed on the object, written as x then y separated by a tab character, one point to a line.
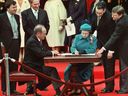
83	43
35	51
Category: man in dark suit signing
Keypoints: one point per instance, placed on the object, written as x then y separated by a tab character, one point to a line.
120	36
33	16
10	37
35	51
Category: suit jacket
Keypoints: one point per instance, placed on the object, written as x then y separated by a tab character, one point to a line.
29	21
104	29
120	35
78	11
112	4
35	52
6	33
125	5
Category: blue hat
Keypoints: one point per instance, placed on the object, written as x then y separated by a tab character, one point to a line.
85	27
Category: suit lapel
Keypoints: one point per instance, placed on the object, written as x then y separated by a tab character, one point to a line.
41	45
33	18
7	22
40	16
102	20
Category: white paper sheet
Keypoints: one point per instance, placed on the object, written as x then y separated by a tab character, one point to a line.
70	29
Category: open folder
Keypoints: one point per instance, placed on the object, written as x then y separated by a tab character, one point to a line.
70	29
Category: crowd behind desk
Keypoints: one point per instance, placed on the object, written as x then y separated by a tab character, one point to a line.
74	59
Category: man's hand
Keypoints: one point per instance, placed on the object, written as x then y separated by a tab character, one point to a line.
100	51
55	52
76	52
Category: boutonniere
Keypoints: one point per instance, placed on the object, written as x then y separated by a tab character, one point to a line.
91	39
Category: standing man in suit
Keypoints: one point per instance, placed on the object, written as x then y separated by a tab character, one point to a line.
120	36
10	36
35	51
104	25
33	16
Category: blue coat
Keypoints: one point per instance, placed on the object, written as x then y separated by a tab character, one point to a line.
84	46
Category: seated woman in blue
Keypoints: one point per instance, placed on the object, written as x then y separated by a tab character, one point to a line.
83	43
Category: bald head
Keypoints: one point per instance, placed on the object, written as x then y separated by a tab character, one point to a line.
40	32
39	28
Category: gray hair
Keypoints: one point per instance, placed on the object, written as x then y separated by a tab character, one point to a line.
118	9
39	28
30	1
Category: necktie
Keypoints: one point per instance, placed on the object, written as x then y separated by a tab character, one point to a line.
41	42
14	27
36	14
98	20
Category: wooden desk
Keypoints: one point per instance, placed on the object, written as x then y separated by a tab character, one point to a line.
74	59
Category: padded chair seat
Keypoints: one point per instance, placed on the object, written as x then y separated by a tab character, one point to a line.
21	76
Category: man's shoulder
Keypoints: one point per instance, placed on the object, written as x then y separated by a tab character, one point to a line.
123	21
17	15
107	15
42	10
26	11
31	40
3	14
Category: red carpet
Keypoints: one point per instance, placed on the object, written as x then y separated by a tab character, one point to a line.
98	73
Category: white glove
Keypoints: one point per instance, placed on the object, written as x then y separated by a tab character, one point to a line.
110	54
99	53
69	19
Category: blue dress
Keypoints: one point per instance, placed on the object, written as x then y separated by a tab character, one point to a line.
83	46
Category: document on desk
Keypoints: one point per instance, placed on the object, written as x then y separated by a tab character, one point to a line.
66	54
70	54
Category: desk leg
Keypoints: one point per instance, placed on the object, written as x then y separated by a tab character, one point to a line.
64	90
92	88
85	91
72	79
